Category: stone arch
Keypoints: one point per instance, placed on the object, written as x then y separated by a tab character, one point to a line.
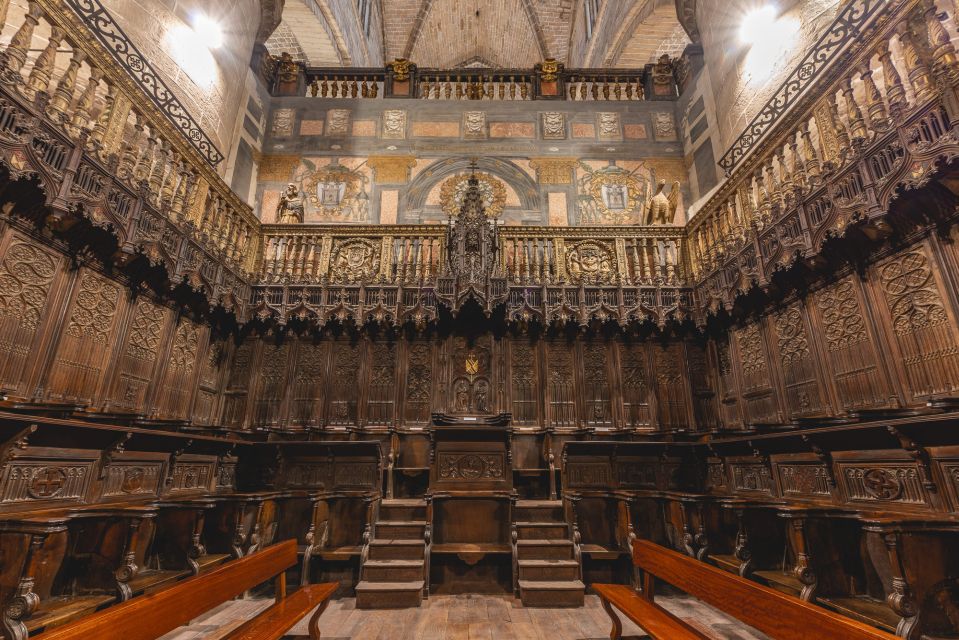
525	187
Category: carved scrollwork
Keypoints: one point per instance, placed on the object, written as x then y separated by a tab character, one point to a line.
590	262
355	260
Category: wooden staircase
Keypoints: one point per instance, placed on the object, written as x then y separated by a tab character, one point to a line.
547	568
393	572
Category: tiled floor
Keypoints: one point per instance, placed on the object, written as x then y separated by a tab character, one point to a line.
468	617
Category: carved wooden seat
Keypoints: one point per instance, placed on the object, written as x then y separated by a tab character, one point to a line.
779	616
153	615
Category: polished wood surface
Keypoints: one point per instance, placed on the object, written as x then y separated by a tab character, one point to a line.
780	616
276	621
150	616
655	620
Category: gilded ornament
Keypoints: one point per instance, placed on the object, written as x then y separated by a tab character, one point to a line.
549	69
401	68
492	193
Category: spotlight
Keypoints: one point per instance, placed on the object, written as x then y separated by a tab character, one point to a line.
208	31
756	23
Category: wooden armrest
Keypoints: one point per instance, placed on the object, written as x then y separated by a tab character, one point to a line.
654	620
274	622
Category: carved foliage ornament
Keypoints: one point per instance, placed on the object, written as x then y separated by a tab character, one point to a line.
793	344
26	274
751	349
145	331
492	194
185	344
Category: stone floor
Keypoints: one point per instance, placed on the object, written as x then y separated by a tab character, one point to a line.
466	617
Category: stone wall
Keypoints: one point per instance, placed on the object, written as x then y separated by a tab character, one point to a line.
742	85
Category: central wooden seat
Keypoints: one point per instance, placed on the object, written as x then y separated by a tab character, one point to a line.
152	615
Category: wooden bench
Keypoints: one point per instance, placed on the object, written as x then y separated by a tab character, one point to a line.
150	616
780	616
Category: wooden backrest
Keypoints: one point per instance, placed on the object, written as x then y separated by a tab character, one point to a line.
776	614
150	616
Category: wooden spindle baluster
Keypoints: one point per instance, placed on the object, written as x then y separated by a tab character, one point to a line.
629	90
155	179
66	88
916	70
838	127
98	136
82	113
354	89
345	88
875	107
502	89
857	125
130	149
572	88
42	72
812	165
169	178
892	81
944	61
4	8
524	90
16	51
179	195
594	89
324	88
582	88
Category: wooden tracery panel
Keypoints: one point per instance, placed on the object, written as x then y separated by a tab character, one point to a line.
136	365
309	375
344	384
271	385
237	385
561	384
176	390
635	384
672	395
850	348
803	394
208	383
27	275
523	383
419	383
380	403
87	340
596	391
757	392
921	325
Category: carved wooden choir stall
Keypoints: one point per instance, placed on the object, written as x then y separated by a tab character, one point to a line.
396	411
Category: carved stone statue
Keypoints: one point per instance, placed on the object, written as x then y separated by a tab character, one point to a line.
662	208
290	208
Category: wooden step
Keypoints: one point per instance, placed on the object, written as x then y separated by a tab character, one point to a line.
539	510
559	570
548	593
389	595
541	530
401	530
393	570
726	562
402	510
544	549
397	549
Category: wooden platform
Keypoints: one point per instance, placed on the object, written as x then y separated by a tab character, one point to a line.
467	618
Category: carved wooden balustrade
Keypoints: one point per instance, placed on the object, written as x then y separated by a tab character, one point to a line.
880	120
549	80
74	122
389	272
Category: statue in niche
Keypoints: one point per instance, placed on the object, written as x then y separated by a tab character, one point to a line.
461	394
662	208
481	396
290	208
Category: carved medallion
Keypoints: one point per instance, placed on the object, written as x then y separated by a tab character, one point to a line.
337	122
492	194
132	479
394	124
590	261
47	483
881	484
355	260
474	125
554	125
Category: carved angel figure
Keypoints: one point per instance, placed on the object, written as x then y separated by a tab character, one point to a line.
662	208
290	208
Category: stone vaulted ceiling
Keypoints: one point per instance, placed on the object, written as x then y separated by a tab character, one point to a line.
495	33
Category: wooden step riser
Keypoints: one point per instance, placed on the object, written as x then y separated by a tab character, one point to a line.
394	574
400	532
396	552
552	532
551	598
401	514
388	599
559	574
546	553
546	514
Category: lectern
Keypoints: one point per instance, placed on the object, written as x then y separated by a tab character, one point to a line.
470	500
